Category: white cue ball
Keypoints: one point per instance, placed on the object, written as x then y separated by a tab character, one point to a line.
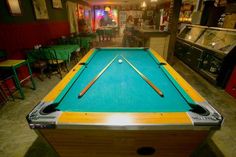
120	61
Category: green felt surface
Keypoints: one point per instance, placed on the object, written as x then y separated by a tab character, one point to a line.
120	88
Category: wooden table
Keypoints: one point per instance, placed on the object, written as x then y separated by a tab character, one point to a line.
13	65
64	52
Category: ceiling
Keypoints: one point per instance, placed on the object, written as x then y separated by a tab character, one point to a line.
117	2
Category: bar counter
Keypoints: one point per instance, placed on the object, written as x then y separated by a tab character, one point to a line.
150	38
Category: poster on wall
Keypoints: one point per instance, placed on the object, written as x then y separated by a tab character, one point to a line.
56	4
14	7
40	9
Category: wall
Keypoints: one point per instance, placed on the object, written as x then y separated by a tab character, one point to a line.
19	32
23	32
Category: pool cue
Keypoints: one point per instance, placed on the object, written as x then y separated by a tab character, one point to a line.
145	78
96	77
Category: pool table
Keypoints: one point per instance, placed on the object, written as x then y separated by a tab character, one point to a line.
121	114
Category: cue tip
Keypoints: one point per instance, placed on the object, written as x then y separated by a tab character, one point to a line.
80	95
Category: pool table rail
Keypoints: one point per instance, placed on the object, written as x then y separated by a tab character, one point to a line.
38	119
214	118
179	82
45	116
56	93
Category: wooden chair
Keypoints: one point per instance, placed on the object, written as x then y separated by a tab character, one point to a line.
54	63
36	62
76	54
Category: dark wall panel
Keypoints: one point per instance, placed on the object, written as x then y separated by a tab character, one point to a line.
28	14
15	37
24	31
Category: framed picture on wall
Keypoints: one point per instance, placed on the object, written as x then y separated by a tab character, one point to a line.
40	9
14	7
56	4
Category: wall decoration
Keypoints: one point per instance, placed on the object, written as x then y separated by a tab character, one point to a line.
40	9
56	4
14	7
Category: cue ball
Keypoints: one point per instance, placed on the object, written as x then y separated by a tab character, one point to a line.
120	61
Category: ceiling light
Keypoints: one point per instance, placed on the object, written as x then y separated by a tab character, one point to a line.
107	9
144	5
